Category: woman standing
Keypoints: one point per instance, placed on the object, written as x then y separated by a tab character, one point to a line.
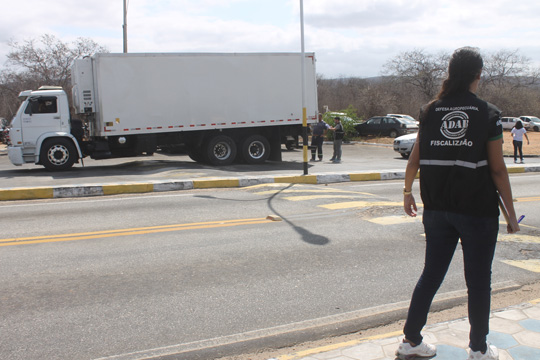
459	154
517	133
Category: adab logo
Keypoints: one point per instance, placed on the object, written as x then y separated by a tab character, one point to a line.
454	125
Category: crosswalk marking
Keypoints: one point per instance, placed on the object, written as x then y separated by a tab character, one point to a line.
525	199
359	204
393	220
519	238
326	191
312	197
530	265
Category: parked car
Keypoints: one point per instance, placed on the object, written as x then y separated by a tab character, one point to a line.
533	121
405	117
404	144
509	122
386	125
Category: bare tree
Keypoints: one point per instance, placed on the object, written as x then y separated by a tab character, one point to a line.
419	69
509	68
32	63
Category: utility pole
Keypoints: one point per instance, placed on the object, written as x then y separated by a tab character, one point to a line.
124	27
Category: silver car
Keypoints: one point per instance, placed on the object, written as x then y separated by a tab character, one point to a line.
533	121
404	144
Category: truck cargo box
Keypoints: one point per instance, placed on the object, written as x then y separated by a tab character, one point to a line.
131	94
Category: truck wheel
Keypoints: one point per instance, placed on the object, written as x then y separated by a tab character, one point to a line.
220	150
255	149
58	154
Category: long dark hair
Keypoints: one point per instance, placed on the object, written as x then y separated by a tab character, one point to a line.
465	65
519	125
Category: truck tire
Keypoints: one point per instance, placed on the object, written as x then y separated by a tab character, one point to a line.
58	154
255	149
220	150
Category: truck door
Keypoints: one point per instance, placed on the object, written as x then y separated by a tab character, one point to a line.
42	115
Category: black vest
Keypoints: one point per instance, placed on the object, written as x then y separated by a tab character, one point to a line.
454	172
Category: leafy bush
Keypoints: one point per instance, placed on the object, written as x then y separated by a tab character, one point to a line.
348	119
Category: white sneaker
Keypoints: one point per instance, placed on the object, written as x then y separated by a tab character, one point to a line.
406	351
491	354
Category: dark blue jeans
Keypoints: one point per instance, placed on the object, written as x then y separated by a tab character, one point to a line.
478	239
316	145
518	147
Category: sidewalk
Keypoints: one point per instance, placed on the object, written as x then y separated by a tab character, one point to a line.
515	331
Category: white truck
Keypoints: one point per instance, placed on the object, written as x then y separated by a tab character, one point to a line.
219	107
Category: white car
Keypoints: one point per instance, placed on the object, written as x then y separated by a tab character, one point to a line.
509	122
404	144
533	121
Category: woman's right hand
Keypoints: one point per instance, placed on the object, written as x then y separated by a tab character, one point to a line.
513	226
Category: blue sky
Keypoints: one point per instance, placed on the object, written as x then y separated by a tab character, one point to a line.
349	37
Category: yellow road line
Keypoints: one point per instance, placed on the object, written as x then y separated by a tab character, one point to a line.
128	232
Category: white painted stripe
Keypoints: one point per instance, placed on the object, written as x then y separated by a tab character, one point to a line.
461	163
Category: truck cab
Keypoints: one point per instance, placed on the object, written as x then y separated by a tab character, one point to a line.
40	132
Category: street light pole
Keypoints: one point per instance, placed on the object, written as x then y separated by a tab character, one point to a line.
304	112
124	27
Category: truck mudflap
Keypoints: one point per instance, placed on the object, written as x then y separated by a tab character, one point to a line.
15	155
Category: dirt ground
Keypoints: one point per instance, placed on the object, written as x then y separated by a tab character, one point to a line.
508	149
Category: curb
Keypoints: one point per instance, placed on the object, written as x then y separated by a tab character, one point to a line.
73	191
69	191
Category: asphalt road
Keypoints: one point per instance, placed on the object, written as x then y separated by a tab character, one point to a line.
165	167
130	277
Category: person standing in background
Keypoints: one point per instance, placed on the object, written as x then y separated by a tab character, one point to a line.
518	132
339	133
317	138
